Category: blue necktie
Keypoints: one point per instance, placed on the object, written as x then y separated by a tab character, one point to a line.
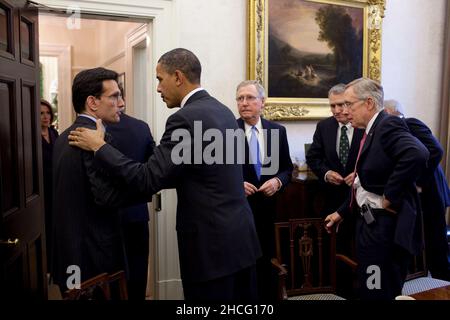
254	152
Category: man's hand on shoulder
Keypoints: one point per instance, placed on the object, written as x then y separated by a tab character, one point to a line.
88	139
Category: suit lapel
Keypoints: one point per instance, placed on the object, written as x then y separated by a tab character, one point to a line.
267	138
331	136
369	138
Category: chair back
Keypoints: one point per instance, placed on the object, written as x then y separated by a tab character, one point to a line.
308	253
96	288
101	287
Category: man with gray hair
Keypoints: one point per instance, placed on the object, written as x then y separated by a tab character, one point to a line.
384	196
434	195
268	140
332	157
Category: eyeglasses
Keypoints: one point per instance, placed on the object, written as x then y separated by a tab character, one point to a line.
114	97
340	105
349	104
249	99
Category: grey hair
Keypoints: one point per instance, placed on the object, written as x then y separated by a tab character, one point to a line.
337	89
258	86
394	106
367	88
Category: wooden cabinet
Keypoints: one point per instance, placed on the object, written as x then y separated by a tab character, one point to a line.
302	198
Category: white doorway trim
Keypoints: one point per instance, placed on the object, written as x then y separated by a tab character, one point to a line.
163	38
64	55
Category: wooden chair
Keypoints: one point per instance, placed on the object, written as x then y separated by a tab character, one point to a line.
96	288
306	260
101	287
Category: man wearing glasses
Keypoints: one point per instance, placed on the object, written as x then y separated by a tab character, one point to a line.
86	228
259	186
384	197
332	158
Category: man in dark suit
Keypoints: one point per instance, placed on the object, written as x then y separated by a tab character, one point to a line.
134	139
217	241
261	187
384	195
86	228
434	195
332	157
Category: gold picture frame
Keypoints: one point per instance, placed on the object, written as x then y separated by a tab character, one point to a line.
312	103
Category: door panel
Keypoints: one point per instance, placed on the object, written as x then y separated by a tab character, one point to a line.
22	239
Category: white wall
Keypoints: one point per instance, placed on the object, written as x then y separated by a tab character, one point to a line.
412	46
412	56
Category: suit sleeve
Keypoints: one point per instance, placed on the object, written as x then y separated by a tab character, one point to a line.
285	172
159	172
150	143
107	190
425	136
316	155
408	154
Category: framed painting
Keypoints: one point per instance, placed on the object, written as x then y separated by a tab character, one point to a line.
121	82
299	49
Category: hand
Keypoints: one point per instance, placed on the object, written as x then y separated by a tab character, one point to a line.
333	219
334	178
387	205
270	187
87	139
249	189
349	179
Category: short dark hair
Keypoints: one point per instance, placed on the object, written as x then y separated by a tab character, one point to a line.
183	60
89	83
49	106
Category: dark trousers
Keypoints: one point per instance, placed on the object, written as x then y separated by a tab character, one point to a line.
382	265
267	280
136	238
239	286
435	232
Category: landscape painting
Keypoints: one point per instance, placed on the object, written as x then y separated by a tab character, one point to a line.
312	46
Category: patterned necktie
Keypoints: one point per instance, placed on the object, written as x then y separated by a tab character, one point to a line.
254	152
343	146
361	144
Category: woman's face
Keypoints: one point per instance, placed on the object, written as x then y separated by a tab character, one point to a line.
45	116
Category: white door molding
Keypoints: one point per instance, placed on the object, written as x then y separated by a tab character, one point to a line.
64	55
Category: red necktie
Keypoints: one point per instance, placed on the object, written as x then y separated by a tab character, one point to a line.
361	144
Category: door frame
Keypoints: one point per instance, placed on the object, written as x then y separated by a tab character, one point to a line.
64	55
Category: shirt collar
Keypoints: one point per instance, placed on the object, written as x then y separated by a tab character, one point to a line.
348	125
370	124
258	126
190	94
92	118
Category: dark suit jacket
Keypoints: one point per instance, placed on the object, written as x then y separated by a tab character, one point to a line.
263	208
322	157
86	227
216	232
390	163
133	138
436	192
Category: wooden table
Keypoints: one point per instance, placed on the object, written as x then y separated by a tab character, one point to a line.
441	293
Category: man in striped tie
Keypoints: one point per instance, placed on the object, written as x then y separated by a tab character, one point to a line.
265	140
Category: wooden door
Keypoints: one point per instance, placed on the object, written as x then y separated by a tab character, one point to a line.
22	240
